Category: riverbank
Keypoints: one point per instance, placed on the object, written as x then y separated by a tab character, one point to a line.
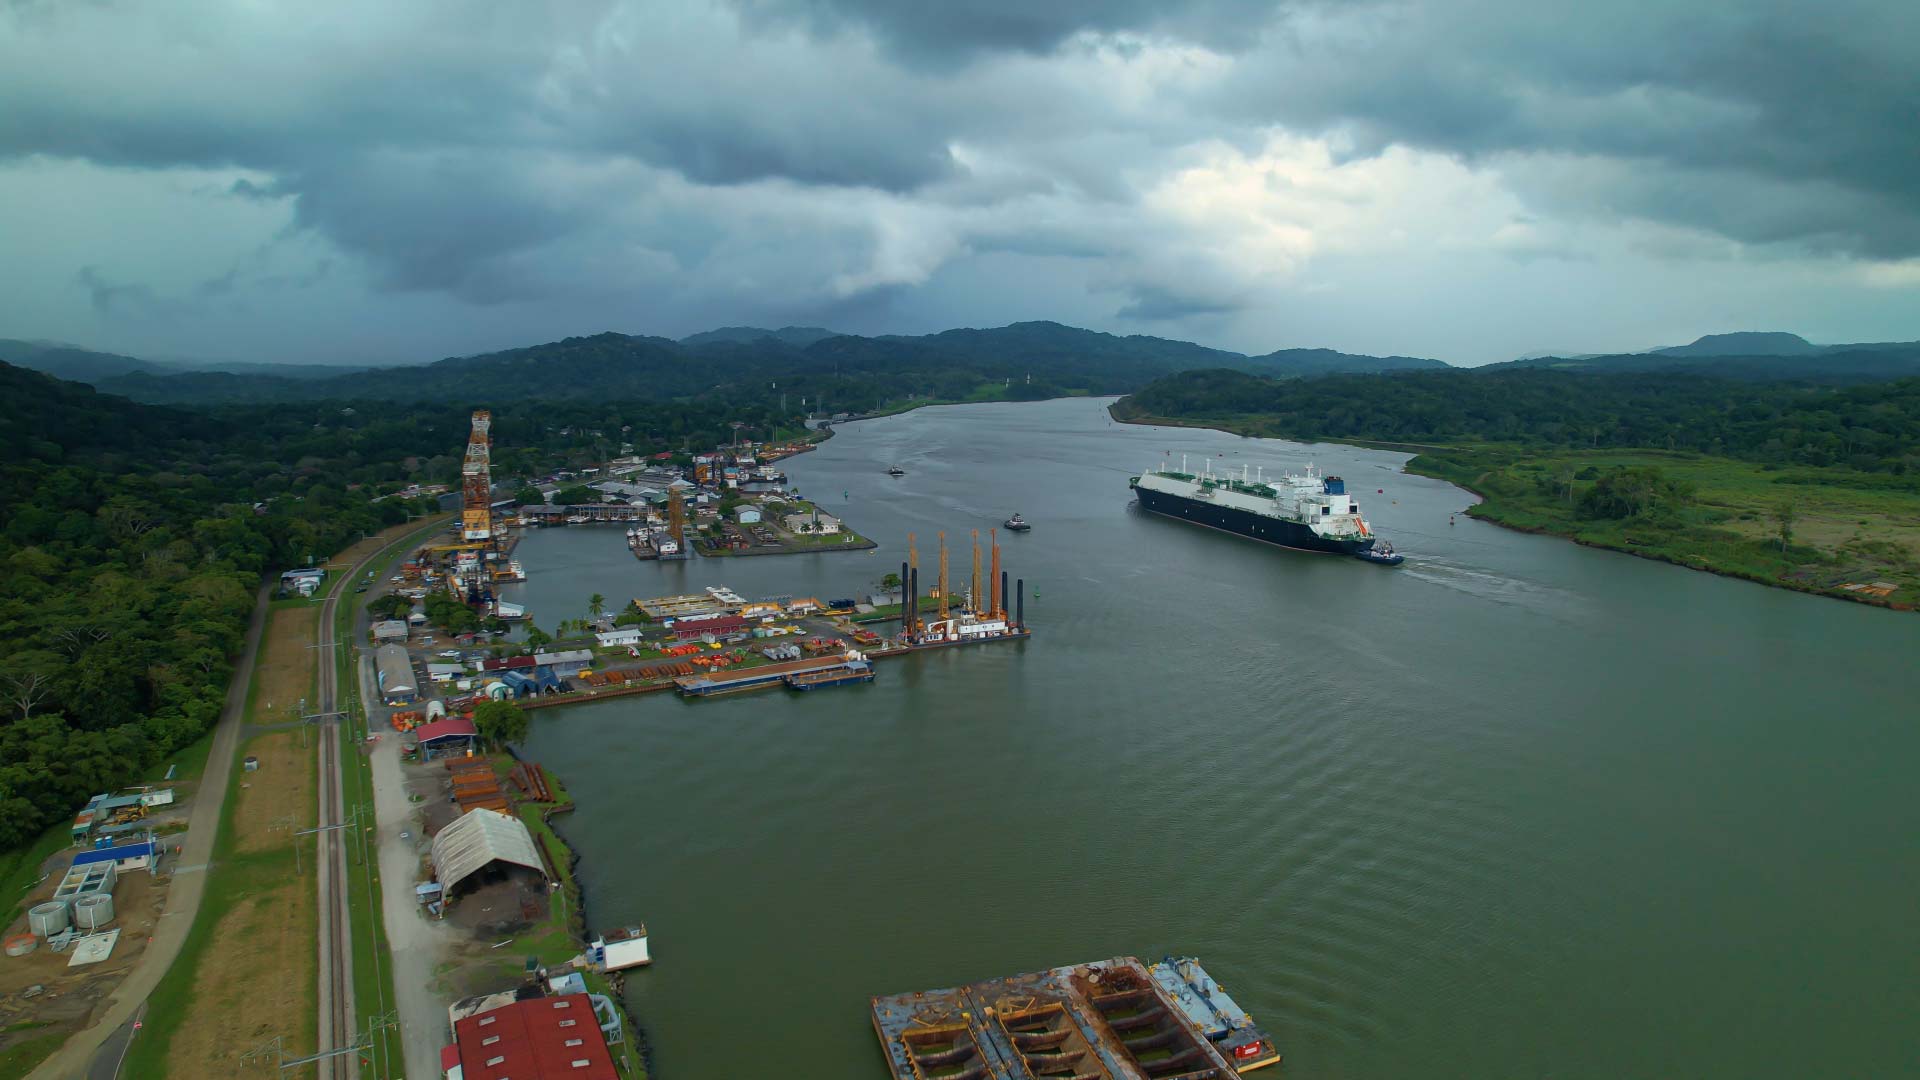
1851	535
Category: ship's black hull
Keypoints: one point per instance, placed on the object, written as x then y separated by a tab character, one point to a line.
1267	530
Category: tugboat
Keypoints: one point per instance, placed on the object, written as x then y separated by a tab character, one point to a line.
895	470
1382	553
1016	523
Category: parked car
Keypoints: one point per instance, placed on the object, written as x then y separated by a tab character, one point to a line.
450	654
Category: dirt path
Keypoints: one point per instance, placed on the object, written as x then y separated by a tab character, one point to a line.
189	874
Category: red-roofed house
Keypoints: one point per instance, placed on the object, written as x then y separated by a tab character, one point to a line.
543	1038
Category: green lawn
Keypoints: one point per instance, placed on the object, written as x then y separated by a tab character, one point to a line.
22	1057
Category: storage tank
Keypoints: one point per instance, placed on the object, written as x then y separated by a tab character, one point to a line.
436	709
93	911
47	919
22	945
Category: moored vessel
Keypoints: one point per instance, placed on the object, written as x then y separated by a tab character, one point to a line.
1016	523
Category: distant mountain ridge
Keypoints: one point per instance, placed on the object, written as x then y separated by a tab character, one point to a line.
848	372
75	364
798	336
1770	354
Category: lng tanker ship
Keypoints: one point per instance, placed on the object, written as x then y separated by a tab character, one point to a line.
1308	511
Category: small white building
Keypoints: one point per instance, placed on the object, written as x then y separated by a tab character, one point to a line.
747	515
812	524
390	630
625	635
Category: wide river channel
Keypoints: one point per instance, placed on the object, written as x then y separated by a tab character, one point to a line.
1515	809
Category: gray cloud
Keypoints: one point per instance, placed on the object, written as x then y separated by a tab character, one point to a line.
847	160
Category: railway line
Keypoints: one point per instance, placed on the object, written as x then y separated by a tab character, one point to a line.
336	1019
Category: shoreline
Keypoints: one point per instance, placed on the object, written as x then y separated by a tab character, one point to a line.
1480	511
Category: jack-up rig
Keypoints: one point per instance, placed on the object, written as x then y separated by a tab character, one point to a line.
983	617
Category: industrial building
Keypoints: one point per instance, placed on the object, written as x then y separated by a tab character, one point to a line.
814	522
395	674
538	1038
483	841
453	735
138	854
568	662
687	629
390	630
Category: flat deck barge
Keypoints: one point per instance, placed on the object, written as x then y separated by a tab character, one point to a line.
1112	1019
712	683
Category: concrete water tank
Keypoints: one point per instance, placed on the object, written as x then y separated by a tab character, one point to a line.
93	911
47	919
22	945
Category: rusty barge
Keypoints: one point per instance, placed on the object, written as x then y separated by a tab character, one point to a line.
1117	1019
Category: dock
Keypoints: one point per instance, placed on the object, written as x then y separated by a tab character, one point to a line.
1112	1019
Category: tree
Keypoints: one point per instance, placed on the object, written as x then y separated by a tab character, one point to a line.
390	606
596	604
528	495
1785	516
575	496
889	582
500	722
538	638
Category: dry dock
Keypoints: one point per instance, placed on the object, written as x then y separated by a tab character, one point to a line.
1109	1020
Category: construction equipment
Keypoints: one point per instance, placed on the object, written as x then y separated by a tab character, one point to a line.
476	482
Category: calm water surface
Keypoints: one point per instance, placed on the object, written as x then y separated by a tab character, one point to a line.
1516	809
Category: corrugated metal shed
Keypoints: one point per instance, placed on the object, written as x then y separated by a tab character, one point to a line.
475	840
396	672
453	727
390	630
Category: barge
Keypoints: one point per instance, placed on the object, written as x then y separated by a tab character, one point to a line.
767	676
1112	1019
853	672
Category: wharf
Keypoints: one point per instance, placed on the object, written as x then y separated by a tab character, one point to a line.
1108	1020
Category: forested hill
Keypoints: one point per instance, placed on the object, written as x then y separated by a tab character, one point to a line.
1870	427
1829	363
134	536
849	373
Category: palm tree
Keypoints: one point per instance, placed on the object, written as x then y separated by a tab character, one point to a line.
596	604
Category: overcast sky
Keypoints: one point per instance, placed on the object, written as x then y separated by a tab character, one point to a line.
1473	180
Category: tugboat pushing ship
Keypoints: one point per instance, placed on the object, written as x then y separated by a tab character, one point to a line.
1307	511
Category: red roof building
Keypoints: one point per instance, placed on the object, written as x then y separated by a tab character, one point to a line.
540	1039
451	727
508	663
726	624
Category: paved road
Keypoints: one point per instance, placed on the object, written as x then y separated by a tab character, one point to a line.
106	1064
86	1051
75	1058
416	942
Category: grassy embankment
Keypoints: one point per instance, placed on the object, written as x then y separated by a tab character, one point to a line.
563	934
1849	527
246	972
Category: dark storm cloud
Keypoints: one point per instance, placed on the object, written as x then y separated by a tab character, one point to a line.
839	154
951	30
1720	107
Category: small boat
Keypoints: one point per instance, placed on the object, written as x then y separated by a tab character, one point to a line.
1016	523
895	470
1382	554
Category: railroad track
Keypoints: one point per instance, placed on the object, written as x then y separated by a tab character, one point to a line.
336	1028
